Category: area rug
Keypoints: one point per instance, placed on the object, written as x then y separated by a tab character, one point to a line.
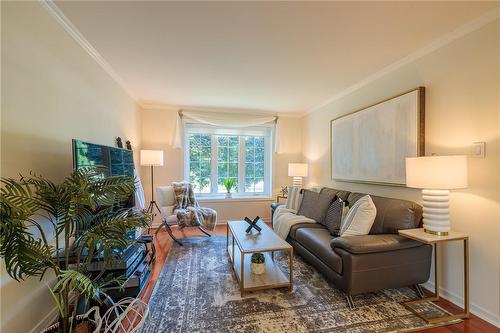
197	292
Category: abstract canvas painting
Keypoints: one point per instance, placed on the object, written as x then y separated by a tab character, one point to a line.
370	145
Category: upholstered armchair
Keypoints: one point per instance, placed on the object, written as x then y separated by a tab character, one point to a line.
166	202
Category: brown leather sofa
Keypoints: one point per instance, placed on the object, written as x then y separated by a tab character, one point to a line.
360	264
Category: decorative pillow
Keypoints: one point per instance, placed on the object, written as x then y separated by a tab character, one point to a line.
294	197
359	218
314	205
333	218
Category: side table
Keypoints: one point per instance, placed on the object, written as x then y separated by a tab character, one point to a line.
435	240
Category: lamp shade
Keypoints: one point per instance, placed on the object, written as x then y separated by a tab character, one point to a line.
152	157
437	172
297	169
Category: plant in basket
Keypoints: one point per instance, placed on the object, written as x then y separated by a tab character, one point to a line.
85	215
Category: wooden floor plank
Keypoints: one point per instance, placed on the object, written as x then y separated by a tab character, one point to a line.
163	244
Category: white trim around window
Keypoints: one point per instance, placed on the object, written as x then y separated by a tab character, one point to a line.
203	162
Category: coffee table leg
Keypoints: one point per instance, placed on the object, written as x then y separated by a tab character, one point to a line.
242	277
290	253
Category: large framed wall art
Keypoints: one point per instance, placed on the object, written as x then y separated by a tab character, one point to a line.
370	145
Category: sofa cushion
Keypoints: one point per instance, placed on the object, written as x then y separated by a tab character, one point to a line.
392	214
314	205
317	241
294	197
336	193
373	243
334	215
295	227
360	217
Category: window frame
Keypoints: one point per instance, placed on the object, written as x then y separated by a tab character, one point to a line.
213	131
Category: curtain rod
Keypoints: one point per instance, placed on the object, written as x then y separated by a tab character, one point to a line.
180	113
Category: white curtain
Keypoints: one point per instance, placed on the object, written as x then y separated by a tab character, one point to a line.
222	119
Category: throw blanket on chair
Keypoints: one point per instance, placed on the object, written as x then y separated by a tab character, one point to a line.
284	218
188	211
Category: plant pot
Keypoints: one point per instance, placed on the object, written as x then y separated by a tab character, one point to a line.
229	195
84	323
82	326
257	268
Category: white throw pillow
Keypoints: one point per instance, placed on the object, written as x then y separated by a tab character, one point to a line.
294	198
359	218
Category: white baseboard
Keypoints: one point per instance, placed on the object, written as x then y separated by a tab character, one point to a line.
475	309
49	319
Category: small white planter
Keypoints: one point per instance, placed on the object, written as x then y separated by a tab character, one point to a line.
229	195
258	268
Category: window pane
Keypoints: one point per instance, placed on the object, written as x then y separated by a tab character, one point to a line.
259	170
199	162
227	156
254	164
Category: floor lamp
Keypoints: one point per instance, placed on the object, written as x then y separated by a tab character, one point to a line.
152	158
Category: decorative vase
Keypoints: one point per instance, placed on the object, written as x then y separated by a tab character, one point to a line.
257	268
229	195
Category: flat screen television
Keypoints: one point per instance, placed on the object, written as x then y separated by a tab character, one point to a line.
118	161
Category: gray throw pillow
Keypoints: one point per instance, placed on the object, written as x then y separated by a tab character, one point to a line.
333	218
314	205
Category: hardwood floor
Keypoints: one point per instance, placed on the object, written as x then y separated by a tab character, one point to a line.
163	244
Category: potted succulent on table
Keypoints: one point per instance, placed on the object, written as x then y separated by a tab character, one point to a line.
84	219
258	263
229	184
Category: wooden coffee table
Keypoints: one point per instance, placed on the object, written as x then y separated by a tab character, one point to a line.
241	245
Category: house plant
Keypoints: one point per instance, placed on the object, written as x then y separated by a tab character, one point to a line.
229	184
84	215
258	263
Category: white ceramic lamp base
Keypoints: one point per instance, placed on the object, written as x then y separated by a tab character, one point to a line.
297	181
436	211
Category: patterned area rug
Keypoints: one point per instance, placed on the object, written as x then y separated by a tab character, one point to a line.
197	292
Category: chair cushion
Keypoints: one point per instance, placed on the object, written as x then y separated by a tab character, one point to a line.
314	205
317	241
165	196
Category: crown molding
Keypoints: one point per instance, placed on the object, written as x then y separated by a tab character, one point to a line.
70	28
164	106
461	31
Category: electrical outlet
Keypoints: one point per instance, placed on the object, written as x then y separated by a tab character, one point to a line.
479	149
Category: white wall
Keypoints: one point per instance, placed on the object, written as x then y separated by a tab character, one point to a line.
158	125
462	106
52	91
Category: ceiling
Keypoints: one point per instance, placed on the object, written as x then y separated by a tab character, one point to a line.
269	56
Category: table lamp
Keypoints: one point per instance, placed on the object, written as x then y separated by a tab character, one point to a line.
297	171
436	175
152	158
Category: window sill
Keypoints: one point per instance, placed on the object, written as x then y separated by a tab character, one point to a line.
234	199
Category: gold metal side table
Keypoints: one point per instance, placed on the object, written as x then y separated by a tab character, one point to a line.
424	237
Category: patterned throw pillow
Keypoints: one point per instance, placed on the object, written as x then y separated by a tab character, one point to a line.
294	197
333	218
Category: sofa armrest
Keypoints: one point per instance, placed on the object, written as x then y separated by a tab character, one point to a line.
373	243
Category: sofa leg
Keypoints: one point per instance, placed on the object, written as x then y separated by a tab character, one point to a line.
350	302
420	292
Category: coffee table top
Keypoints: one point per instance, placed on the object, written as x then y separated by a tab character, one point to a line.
266	240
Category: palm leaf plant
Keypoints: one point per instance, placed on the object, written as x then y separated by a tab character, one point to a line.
85	221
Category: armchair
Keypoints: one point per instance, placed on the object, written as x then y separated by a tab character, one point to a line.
166	203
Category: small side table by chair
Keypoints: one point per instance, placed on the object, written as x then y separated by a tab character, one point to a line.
424	237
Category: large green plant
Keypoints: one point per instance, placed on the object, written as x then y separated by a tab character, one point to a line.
84	215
